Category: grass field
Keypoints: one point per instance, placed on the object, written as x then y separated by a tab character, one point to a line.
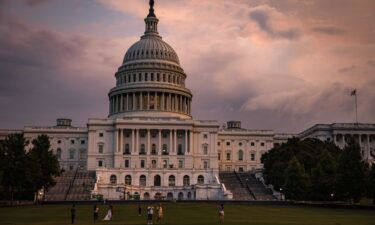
189	213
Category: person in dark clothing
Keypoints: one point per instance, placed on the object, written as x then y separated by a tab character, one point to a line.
139	210
73	213
96	213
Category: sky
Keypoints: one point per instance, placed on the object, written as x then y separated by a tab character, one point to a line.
283	65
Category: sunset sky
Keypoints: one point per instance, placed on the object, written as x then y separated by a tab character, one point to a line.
273	64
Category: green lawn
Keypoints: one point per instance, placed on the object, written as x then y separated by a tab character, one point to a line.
190	213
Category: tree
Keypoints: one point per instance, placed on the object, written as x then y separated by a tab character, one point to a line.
371	184
307	151
13	165
351	173
296	181
323	178
41	156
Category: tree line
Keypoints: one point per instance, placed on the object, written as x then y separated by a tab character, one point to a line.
314	170
24	173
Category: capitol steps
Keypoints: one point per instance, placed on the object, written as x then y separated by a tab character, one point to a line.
232	183
72	186
260	192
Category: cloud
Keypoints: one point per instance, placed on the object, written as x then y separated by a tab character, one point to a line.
329	30
258	61
36	2
371	63
261	15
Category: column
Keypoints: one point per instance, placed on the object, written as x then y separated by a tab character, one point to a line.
148	100
136	140
127	102
180	103
175	141
162	101
116	141
170	141
186	141
191	141
148	141
133	101
121	141
121	103
141	100
133	141
159	147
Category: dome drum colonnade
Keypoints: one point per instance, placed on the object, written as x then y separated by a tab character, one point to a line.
150	79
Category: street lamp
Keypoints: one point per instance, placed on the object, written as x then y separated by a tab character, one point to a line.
281	193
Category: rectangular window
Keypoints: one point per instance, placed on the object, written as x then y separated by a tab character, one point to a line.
205	136
252	157
100	163
181	163
142	164
262	144
72	142
101	134
218	156
82	142
252	144
228	156
59	142
205	149
127	163
100	148
206	164
165	164
228	143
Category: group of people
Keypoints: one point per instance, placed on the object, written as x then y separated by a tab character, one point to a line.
150	213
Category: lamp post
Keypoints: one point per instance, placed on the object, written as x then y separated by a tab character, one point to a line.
281	193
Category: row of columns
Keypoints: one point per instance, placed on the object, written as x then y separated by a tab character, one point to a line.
357	137
172	147
146	77
150	101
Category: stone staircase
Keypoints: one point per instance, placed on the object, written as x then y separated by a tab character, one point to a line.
259	191
72	186
233	184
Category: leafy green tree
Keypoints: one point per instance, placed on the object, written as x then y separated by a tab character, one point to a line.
351	174
296	181
44	163
13	165
323	178
371	184
306	151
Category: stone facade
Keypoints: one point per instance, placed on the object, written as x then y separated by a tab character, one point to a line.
339	133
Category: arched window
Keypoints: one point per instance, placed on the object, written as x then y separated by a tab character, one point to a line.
153	149
113	179
143	149
172	181
142	180
180	196
240	155
128	180
58	153
186	180
200	179
146	196
189	195
170	196
157	181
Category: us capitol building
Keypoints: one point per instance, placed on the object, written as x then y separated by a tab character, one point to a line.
151	145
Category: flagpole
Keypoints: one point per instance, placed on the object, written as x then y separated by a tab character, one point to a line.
356	109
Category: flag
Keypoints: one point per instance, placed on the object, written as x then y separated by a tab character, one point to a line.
354	92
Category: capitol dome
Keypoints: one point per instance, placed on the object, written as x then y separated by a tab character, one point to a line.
150	82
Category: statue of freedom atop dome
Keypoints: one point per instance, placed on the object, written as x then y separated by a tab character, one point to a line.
152	12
